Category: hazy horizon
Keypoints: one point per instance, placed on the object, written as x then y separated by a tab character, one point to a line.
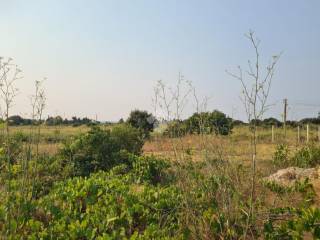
104	57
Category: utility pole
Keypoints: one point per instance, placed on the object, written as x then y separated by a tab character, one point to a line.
285	102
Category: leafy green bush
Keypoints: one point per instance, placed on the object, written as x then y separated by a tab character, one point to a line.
307	156
101	150
176	129
281	156
127	138
49	170
12	149
104	206
149	169
300	222
303	187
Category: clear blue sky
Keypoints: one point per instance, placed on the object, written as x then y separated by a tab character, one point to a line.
104	57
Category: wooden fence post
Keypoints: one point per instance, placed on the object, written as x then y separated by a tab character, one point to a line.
272	133
307	133
298	134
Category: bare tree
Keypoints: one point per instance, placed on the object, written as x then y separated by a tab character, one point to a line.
180	95
9	74
164	100
171	101
255	92
38	103
201	107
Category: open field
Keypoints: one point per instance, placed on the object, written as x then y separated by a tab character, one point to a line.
235	147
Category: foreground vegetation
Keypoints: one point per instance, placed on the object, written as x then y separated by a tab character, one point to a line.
100	184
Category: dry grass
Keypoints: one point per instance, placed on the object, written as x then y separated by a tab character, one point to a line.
235	147
52	130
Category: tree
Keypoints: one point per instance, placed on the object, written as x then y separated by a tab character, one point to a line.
9	74
215	121
143	121
272	121
255	93
220	122
121	121
53	121
16	120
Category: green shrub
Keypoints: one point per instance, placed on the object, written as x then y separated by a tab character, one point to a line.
20	136
49	169
175	129
281	156
14	151
101	150
127	138
149	169
104	206
296	226
303	187
307	156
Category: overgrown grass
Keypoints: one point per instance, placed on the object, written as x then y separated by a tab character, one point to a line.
198	190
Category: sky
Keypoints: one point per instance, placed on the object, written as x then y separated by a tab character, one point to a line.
103	58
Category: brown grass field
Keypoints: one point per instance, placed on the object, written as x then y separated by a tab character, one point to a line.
234	147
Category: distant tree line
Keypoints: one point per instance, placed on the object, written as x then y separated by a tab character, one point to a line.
209	122
275	122
74	121
17	120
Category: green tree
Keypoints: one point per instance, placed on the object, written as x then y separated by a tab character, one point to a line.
143	121
209	122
